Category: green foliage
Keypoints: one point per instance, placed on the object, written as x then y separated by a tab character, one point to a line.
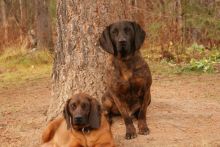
205	64
195	58
195	48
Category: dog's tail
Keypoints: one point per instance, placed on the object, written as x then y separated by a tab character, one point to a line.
50	130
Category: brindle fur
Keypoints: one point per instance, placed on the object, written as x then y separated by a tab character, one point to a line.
129	80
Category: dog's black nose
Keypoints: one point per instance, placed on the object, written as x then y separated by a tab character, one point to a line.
78	119
122	41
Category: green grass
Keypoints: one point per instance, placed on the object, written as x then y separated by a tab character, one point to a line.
195	59
163	67
18	65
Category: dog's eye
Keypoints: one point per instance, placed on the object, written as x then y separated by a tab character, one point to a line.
73	106
115	32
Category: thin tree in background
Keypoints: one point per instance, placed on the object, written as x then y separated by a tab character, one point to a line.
4	20
179	20
23	18
43	25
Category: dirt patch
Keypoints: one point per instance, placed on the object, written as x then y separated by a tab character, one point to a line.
185	111
22	113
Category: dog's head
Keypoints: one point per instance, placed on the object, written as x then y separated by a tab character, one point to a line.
122	38
81	111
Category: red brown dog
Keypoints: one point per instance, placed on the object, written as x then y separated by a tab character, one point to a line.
83	125
129	77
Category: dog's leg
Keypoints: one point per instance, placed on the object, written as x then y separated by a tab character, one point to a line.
124	111
142	122
107	104
50	130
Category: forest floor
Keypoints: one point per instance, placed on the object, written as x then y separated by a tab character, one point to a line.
185	111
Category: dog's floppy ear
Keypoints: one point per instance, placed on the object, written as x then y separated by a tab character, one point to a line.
139	35
105	41
67	115
95	114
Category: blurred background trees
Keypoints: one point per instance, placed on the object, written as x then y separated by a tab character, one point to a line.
26	22
173	26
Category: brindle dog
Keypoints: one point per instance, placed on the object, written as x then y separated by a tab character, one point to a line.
129	77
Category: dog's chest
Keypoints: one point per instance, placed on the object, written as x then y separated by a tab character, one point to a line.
126	74
131	80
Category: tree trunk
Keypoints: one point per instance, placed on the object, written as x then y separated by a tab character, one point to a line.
138	9
163	10
179	20
80	63
4	20
23	18
163	33
43	25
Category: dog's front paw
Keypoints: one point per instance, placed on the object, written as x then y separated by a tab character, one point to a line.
143	128
131	133
144	131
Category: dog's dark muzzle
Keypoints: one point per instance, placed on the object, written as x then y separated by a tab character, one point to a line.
79	120
123	49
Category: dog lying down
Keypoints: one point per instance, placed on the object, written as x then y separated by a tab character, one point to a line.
83	125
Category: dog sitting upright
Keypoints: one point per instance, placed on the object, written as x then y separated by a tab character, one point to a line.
83	125
129	77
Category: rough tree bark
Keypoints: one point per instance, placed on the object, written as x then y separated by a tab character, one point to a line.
43	25
80	63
